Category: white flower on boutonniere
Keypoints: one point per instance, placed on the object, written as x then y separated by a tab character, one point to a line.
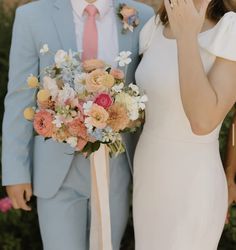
129	17
44	50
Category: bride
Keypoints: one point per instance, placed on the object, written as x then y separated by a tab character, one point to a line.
188	70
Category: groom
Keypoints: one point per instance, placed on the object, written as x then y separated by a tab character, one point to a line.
61	179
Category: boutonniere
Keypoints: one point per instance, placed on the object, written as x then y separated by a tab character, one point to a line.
129	17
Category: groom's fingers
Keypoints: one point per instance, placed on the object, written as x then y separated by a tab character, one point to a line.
14	203
22	203
28	193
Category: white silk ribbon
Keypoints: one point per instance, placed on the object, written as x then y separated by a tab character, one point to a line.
100	230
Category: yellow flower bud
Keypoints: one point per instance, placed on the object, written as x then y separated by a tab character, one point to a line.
43	95
33	82
29	113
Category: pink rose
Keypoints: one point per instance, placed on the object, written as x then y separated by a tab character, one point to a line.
43	123
117	74
5	205
104	100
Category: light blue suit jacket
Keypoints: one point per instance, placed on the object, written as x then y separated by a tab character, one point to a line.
51	22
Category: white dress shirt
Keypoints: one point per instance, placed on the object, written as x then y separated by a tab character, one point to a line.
108	45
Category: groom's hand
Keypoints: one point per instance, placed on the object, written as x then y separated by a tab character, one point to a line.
20	194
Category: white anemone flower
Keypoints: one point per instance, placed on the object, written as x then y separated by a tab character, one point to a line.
88	125
79	82
51	85
133	111
72	141
124	58
60	57
135	88
118	87
67	93
87	106
58	121
141	100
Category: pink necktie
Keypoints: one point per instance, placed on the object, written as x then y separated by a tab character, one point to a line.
90	36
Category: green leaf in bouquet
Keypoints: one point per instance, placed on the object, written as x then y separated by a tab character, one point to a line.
90	148
95	146
108	70
46	138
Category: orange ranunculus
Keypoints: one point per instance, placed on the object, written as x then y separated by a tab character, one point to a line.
43	123
118	117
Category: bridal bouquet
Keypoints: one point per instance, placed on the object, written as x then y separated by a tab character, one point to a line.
85	104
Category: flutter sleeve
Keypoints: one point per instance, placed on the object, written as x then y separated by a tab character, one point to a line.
220	41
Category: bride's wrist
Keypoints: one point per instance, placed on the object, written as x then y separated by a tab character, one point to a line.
184	39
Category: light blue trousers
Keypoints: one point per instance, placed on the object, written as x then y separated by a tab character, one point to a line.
65	218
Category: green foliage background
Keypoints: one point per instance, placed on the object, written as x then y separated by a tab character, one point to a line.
19	230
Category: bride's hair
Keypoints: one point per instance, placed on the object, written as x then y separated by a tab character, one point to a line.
215	10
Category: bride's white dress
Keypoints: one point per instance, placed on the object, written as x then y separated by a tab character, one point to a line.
180	189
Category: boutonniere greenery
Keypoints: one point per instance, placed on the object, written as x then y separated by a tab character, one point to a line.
129	17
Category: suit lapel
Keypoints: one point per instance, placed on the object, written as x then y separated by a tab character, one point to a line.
125	40
63	18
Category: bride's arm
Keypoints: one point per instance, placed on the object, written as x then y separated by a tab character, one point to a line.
206	98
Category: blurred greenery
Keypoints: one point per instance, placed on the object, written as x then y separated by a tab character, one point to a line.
19	230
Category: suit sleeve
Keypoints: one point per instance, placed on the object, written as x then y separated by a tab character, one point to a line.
17	142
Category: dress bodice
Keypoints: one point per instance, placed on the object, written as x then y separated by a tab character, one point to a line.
158	75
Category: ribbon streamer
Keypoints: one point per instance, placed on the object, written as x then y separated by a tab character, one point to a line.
100	232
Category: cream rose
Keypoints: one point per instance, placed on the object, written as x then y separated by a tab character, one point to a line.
93	64
99	80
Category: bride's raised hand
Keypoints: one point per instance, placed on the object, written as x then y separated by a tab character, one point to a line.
184	18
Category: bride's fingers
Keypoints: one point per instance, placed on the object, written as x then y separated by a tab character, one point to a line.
204	7
190	3
174	2
181	2
168	6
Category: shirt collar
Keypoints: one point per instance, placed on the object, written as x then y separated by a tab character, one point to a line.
103	6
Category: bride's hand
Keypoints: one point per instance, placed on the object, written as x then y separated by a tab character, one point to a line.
185	20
